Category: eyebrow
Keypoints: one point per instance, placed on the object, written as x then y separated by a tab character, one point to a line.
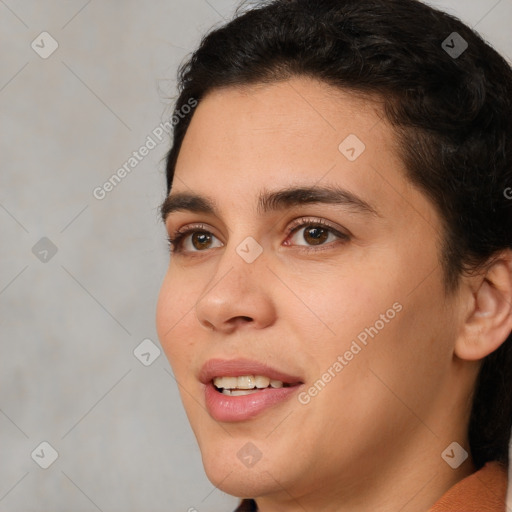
270	201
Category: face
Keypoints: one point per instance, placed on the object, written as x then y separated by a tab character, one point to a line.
303	311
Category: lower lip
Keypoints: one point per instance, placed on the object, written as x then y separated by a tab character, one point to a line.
239	408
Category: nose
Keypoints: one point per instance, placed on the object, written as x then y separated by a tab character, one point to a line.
238	296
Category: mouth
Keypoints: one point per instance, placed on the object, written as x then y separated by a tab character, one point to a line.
238	390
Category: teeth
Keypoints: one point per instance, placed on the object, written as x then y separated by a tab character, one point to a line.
245	383
225	382
261	382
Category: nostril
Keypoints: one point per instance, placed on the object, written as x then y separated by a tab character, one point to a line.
243	319
240	320
208	325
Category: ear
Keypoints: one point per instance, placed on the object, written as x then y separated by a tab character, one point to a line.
489	319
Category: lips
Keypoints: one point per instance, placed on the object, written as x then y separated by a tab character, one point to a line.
240	389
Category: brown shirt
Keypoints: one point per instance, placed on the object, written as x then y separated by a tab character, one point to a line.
483	491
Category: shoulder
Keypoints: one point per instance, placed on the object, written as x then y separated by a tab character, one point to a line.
483	491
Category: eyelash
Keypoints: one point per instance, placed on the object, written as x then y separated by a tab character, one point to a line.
176	240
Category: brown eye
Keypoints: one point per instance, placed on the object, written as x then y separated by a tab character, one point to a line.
309	234
201	240
315	235
193	240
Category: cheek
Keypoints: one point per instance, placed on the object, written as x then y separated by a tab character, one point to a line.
175	307
381	387
379	315
405	360
331	306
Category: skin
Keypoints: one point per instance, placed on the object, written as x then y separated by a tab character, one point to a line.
372	438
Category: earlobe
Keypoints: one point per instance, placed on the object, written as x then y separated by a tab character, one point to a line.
489	321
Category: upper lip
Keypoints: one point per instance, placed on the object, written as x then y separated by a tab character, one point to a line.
237	367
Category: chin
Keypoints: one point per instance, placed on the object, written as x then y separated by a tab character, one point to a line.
240	482
235	468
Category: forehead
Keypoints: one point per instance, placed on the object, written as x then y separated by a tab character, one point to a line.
301	115
300	132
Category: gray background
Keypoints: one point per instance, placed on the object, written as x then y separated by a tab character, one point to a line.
69	325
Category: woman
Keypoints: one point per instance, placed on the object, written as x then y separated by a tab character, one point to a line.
338	304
